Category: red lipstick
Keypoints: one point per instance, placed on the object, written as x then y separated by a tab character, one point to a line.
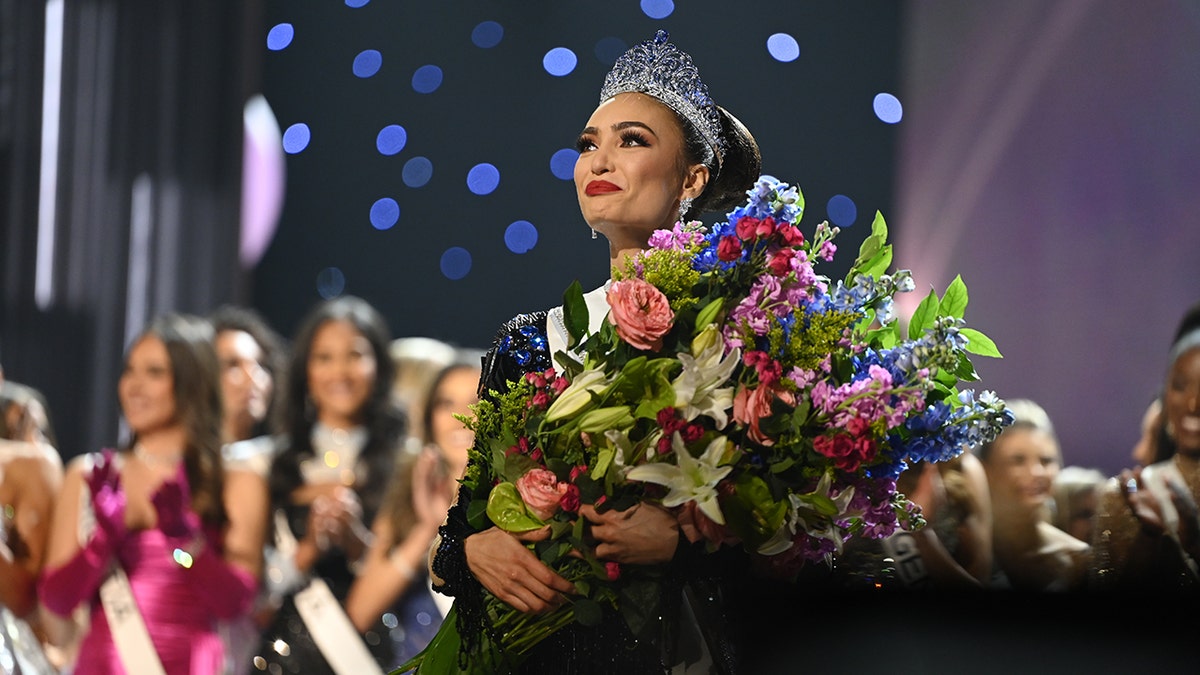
600	187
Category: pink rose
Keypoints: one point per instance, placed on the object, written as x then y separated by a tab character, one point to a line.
750	406
569	501
640	312
541	492
613	570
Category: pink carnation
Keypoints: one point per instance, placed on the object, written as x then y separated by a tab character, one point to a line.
641	313
541	492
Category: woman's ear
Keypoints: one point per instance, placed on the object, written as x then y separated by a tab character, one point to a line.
695	180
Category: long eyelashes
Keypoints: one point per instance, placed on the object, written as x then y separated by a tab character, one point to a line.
628	137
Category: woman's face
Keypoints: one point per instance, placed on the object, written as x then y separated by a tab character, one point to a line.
341	373
454	395
629	176
147	387
1181	403
1021	467
246	385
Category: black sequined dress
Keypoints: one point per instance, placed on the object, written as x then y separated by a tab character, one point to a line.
693	589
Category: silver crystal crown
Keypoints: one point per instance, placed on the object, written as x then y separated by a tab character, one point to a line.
660	69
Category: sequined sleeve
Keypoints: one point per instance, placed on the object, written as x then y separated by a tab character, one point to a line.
520	347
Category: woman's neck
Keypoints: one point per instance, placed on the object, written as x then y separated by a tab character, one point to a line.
166	444
339	421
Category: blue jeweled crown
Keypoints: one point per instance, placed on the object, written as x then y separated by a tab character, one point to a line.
660	69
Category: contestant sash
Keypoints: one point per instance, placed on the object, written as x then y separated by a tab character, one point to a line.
325	619
125	621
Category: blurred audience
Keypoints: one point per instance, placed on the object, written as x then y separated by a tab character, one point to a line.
418	360
1148	531
1021	464
341	432
394	583
30	478
1076	492
156	538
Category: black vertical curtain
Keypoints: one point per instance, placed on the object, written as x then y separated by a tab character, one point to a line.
148	187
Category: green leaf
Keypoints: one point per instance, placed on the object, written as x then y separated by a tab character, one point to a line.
874	254
575	313
603	460
924	316
954	301
588	612
978	343
441	654
507	510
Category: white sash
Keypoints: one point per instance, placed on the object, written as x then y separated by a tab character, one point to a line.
325	618
125	622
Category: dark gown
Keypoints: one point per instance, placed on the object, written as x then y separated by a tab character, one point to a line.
301	654
695	587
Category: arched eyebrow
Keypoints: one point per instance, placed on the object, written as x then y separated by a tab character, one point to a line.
620	126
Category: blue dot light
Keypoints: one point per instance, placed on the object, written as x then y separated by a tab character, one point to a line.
296	138
562	163
427	79
384	213
367	63
609	49
391	139
330	282
559	61
888	108
783	47
456	263
658	9
521	236
487	34
357	3
417	172
483	178
841	210
280	36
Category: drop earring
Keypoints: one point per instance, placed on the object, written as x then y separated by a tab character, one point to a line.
684	205
593	234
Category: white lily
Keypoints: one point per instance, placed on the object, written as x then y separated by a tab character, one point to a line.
801	517
691	479
578	395
697	389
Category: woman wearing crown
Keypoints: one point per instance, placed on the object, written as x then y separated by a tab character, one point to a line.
655	151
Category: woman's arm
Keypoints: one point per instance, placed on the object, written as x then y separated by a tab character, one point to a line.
37	480
73	572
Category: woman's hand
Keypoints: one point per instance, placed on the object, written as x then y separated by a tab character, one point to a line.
644	534
1144	505
433	488
335	520
503	564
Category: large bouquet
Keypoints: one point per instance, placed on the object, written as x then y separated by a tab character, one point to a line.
772	408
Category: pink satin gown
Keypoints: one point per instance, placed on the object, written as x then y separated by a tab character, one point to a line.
183	631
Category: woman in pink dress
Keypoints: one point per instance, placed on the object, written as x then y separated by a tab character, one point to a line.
163	513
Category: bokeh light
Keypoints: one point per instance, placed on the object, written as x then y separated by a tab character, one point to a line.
384	213
280	36
520	236
456	263
483	178
391	139
417	172
296	138
427	79
487	34
888	108
559	61
330	282
367	63
562	163
783	47
841	210
357	3
658	9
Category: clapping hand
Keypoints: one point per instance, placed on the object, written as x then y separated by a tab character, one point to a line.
173	507
108	500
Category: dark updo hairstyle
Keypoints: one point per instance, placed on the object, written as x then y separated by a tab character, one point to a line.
384	420
739	169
